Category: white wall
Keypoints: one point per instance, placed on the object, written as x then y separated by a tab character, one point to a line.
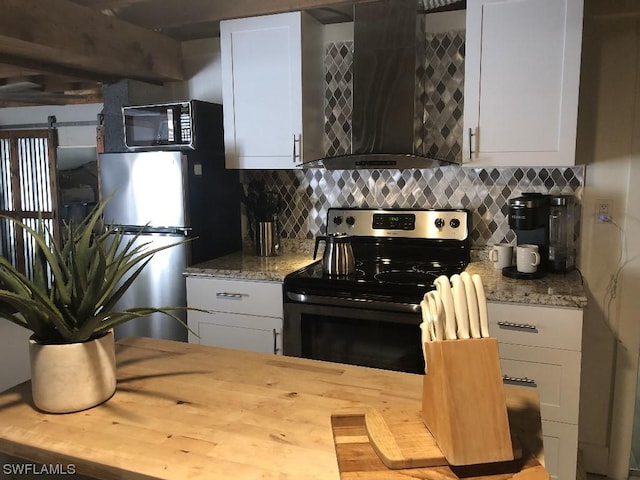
203	72
609	141
83	136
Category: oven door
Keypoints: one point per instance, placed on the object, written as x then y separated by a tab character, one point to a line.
356	332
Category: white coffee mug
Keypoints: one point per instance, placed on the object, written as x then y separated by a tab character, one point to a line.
501	255
527	258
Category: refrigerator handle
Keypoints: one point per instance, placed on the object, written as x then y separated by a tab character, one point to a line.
146	230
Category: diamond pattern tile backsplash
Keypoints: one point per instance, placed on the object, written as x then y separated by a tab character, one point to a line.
308	194
338	98
439	96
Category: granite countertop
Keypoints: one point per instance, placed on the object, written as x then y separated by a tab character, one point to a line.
246	265
551	290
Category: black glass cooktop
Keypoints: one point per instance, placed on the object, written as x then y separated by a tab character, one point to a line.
381	280
388	269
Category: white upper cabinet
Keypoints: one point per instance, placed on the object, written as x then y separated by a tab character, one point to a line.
272	77
522	69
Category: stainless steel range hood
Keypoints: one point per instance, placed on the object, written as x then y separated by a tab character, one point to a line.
384	88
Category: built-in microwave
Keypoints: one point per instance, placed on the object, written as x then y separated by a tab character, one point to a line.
188	125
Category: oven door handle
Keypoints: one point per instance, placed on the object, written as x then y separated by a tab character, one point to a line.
353	302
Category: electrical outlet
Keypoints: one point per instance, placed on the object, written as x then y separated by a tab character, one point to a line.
603	211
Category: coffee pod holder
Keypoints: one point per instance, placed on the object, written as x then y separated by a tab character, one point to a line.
463	401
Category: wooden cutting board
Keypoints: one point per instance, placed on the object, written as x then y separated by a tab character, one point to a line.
403	442
357	458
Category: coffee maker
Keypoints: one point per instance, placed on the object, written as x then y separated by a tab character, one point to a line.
529	219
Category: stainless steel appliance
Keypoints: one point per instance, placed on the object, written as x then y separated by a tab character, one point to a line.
372	317
170	196
337	259
384	107
529	219
186	125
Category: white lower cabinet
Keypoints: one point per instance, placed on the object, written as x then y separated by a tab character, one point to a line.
540	347
555	373
241	314
560	447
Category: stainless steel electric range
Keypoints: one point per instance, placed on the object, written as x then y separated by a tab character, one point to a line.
371	318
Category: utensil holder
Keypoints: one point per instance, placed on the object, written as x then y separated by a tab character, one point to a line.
266	239
463	401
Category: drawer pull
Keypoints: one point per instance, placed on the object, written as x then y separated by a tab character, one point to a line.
529	382
519	326
236	296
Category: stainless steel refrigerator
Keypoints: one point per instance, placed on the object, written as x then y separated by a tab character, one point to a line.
170	196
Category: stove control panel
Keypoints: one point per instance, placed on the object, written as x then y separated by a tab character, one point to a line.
436	224
389	221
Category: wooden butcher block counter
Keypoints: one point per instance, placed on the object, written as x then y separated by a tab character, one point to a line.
184	411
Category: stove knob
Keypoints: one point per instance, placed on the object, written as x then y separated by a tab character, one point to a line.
439	223
454	223
337	220
351	221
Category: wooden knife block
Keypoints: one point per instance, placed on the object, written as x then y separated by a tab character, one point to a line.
463	401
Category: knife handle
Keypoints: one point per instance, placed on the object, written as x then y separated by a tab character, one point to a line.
461	308
482	305
472	303
444	289
435	307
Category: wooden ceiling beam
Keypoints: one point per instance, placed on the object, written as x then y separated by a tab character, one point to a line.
172	13
618	8
106	4
67	38
15	71
42	67
32	99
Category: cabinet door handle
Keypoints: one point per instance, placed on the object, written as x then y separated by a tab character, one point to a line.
237	296
471	135
528	382
301	148
519	326
297	153
275	341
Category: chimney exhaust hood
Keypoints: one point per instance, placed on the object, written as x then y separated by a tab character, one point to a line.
384	88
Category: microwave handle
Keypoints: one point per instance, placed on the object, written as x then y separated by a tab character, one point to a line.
171	124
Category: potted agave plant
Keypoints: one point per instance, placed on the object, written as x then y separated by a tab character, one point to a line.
68	303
